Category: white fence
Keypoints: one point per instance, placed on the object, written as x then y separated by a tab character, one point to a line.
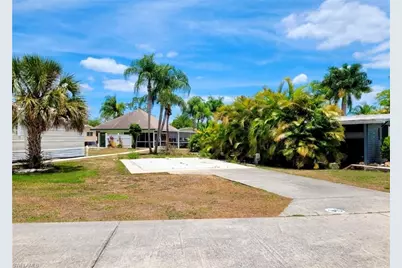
126	140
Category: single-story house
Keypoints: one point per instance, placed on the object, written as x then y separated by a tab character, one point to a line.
364	135
90	136
120	126
56	143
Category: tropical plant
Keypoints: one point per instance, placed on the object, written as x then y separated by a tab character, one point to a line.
292	127
44	98
384	100
345	83
94	122
147	71
135	131
198	110
182	121
386	148
111	109
214	103
138	103
365	109
169	81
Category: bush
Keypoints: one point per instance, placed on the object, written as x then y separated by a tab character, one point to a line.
194	143
119	145
385	148
111	142
133	155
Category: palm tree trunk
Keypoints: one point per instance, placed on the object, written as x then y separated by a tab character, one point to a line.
344	105
34	156
163	122
149	115
167	132
158	135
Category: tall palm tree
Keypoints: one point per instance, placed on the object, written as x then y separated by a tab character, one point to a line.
147	70
384	100
345	83
138	103
44	98
365	109
169	81
111	109
198	110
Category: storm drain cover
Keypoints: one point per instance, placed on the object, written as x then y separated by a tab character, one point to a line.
334	210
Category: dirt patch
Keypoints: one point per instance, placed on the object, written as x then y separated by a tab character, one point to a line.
109	192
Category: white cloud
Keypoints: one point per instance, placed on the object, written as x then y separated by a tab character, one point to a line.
226	99
121	85
159	55
145	47
199	77
300	79
105	65
86	87
91	78
172	54
380	61
375	58
338	23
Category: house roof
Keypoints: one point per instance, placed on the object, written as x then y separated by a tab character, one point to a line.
139	117
365	119
188	130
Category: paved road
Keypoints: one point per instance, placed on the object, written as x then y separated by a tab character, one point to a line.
317	241
310	196
357	238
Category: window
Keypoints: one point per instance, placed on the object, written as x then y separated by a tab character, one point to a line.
90	134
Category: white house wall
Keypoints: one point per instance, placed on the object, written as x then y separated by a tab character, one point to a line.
56	143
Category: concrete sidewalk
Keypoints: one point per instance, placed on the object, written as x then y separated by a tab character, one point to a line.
320	241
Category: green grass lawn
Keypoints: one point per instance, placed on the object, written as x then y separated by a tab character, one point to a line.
375	180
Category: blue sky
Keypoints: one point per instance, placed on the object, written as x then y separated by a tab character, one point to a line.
227	48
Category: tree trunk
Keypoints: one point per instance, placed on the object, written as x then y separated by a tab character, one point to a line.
167	132
158	135
344	105
34	154
149	115
163	123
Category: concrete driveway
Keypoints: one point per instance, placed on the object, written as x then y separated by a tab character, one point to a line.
358	237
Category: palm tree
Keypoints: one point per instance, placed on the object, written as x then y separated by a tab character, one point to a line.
111	109
147	70
169	81
345	83
198	110
44	98
365	109
384	100
138	103
171	100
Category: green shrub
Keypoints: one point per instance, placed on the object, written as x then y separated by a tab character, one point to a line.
133	155
385	148
194	143
119	146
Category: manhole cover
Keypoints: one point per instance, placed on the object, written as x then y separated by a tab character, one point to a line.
334	210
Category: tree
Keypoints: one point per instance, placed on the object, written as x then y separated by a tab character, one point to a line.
214	103
198	110
182	121
94	122
295	128
135	131
365	109
170	80
44	98
384	100
345	83
111	109
147	70
138	103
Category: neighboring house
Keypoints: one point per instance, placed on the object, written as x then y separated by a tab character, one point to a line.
90	136
121	126
56	143
364	135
